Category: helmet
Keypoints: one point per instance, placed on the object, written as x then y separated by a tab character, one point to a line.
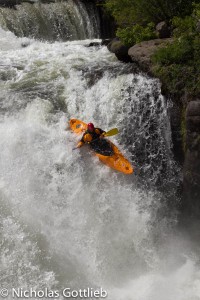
90	127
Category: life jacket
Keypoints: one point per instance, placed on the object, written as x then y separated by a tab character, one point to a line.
101	146
88	136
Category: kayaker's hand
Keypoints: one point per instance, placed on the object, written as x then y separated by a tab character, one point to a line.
102	135
80	144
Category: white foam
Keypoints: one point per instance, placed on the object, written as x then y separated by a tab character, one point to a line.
87	224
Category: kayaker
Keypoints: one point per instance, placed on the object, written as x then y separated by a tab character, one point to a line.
94	138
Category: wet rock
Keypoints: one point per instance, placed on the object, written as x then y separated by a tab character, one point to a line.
175	113
191	171
163	30
193	123
193	108
193	116
105	42
191	182
25	44
119	49
9	3
12	3
94	44
192	140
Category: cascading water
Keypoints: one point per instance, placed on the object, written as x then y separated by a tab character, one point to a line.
69	20
67	220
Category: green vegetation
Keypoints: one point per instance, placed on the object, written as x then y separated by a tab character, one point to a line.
136	34
136	19
129	12
178	65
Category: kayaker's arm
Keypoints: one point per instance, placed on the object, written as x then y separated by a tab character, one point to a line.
80	144
100	132
86	138
102	135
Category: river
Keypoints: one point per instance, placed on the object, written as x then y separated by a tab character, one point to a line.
67	220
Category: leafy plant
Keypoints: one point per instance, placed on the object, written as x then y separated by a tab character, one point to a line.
136	34
178	64
129	12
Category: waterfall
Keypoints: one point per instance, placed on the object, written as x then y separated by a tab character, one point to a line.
67	220
68	20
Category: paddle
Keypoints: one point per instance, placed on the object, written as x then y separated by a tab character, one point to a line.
111	132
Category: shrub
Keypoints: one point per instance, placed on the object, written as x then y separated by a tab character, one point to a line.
136	34
178	52
129	12
178	64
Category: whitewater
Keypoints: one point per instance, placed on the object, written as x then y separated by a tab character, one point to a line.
66	219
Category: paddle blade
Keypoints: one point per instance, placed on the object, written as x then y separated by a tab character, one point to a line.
111	132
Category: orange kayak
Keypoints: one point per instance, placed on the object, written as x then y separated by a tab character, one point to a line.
116	161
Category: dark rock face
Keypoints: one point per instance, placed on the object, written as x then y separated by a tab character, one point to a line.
120	50
94	44
105	42
12	3
191	180
175	113
163	30
102	43
193	108
107	23
9	3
